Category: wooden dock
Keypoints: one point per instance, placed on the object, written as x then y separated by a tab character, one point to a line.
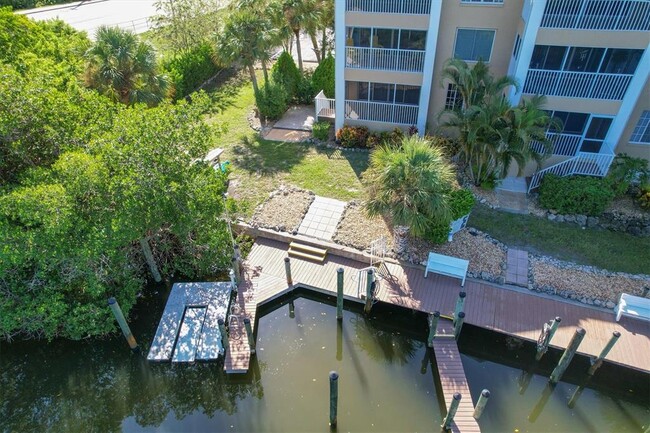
188	329
452	378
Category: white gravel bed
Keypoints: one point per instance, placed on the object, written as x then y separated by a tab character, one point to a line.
357	230
586	284
283	210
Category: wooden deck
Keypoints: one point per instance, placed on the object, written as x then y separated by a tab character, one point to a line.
453	380
511	312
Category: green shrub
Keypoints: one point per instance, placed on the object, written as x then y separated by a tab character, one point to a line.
438	233
644	196
575	195
285	72
373	140
271	101
189	70
461	202
305	92
29	4
323	78
624	170
321	131
352	136
396	136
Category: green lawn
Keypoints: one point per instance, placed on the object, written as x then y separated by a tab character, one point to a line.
259	166
601	248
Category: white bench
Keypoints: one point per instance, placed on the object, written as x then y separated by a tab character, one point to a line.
633	306
446	265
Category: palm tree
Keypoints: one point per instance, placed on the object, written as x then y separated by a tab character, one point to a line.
124	68
298	14
246	36
409	184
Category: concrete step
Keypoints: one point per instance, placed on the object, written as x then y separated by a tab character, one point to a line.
307	252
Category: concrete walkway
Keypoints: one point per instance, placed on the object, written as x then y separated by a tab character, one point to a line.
517	267
322	218
511	195
298	118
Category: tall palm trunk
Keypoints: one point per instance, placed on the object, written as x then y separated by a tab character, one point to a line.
314	42
298	49
400	239
323	44
251	71
266	72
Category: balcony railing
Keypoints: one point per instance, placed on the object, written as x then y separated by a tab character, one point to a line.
577	84
381	112
414	7
563	144
387	59
325	107
631	15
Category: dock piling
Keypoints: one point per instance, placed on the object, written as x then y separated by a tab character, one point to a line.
339	340
453	407
599	361
236	269
544	340
292	310
334	397
433	326
369	286
460	305
480	405
224	335
249	333
567	356
119	316
339	294
287	270
459	324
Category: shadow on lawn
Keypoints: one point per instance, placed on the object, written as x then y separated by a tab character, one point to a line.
223	91
358	160
262	157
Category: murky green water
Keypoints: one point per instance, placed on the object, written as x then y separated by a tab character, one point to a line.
386	383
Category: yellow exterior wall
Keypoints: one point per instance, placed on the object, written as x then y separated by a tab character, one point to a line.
504	18
390	21
582	105
366	75
587	38
624	145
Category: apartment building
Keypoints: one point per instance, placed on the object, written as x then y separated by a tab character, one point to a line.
591	58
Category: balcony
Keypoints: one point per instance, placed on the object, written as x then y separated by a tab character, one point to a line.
563	144
589	85
399	114
625	15
413	7
386	59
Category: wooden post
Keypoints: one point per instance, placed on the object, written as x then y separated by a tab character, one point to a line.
334	396
453	407
459	324
287	270
425	361
460	304
249	333
292	310
542	346
369	286
339	294
224	334
339	340
433	326
119	316
567	356
480	405
575	396
541	403
599	361
148	255
237	270
237	252
233	280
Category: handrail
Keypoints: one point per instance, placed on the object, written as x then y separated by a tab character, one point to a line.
593	85
619	15
388	59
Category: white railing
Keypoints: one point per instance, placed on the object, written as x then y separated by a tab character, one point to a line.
381	112
563	144
632	15
388	59
325	107
585	163
414	7
576	84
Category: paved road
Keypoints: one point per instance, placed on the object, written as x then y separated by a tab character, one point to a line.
89	15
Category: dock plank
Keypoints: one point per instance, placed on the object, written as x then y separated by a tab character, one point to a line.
189	335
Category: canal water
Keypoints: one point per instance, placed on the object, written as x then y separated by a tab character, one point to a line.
387	381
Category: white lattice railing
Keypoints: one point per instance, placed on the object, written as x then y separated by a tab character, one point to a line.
325	106
585	163
577	84
381	112
631	15
388	59
563	144
414	7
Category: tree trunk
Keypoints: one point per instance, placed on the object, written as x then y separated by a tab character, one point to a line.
323	45
266	73
314	42
251	71
148	255
298	50
399	239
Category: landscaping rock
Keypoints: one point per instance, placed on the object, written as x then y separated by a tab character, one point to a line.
283	210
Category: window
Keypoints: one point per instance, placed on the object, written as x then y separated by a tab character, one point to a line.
474	44
409	95
361	36
454	100
584	59
621	61
572	123
366	37
547	57
482	1
596	133
385	38
413	39
641	133
384	93
381	92
515	51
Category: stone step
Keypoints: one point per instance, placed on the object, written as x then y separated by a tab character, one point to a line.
296	246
